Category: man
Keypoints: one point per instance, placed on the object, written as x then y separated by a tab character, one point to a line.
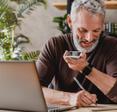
96	69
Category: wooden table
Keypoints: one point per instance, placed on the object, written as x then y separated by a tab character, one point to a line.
97	108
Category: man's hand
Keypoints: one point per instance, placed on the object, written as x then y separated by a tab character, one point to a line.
76	64
82	99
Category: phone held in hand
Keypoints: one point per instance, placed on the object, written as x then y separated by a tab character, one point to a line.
73	54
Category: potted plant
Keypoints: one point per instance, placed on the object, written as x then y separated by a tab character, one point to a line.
62	24
10	18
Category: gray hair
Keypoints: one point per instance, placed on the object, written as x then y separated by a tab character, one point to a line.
94	6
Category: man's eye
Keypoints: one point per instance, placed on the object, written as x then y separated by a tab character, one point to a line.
83	30
96	31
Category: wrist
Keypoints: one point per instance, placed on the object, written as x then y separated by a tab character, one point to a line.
67	98
72	99
87	70
82	68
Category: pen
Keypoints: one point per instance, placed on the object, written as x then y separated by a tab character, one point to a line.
78	83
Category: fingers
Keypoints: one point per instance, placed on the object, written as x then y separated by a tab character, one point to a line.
91	98
67	59
86	99
70	60
94	98
83	55
82	104
76	64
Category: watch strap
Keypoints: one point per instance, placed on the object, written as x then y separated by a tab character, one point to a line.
87	70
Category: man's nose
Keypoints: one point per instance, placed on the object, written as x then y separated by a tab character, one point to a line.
89	36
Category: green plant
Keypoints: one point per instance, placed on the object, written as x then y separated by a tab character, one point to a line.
32	55
62	24
10	18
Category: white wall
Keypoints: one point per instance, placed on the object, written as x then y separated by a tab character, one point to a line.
39	26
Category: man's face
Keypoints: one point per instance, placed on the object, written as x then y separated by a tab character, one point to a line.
86	30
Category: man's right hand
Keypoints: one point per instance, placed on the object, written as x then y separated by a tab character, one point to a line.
82	98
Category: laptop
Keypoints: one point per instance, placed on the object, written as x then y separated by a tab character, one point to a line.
20	89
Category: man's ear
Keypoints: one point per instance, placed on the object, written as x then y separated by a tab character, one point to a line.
69	21
103	27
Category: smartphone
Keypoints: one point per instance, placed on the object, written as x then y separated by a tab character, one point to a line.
73	54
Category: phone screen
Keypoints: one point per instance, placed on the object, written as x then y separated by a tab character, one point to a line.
73	54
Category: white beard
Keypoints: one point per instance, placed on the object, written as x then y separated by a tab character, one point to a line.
80	48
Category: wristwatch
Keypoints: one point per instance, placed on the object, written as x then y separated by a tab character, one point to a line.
87	70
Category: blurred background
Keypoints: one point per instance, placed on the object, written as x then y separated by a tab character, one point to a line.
39	26
36	27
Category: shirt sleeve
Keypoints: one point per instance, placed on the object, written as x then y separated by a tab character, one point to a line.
112	95
112	71
46	64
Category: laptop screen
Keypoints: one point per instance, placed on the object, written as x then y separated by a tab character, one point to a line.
20	88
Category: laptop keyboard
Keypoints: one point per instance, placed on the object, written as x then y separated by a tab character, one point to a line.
53	109
60	108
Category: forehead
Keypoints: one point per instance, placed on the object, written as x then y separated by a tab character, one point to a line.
88	20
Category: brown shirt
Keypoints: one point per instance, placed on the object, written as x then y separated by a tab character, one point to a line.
51	64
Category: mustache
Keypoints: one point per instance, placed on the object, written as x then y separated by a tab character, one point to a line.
84	40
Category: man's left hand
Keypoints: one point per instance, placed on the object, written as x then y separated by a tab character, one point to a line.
76	64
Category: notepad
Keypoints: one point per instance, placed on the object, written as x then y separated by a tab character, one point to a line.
105	108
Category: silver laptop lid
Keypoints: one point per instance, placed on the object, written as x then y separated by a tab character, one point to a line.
20	88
